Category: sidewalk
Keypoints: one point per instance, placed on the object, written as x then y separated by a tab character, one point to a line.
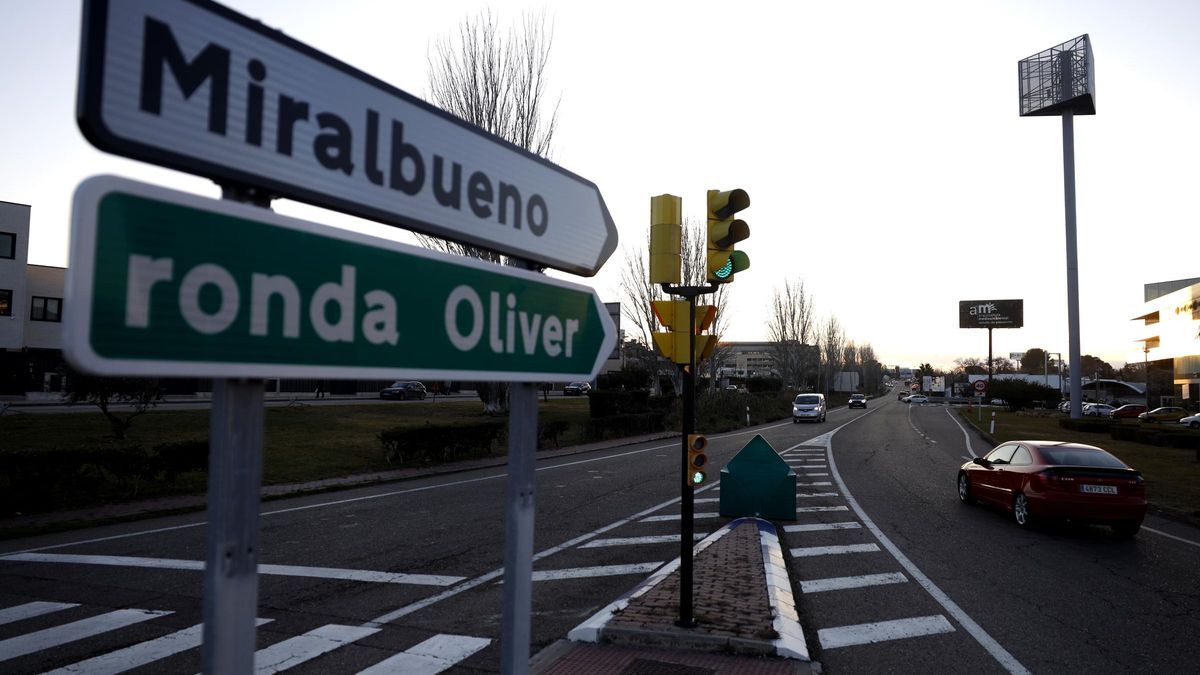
746	617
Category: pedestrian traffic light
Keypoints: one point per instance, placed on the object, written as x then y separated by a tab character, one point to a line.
666	228
697	460
723	232
674	316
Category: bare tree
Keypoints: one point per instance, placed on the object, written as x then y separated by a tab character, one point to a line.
790	329
496	82
832	341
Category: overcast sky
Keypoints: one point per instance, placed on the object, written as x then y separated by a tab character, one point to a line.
879	141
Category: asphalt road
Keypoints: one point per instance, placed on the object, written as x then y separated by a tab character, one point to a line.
363	576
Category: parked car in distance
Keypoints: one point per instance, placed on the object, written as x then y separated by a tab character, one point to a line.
808	407
858	401
998	401
921	399
1054	479
1167	413
404	390
1064	406
1098	409
1192	421
576	389
904	393
1129	410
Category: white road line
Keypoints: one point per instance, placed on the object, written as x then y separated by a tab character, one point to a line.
815	483
816	527
868	633
844	583
998	652
143	653
809	474
817	494
966	436
599	571
431	656
273	570
819	509
811	551
707	500
32	609
634	541
676	516
70	632
294	651
1171	536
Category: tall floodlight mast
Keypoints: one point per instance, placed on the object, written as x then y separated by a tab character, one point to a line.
1062	81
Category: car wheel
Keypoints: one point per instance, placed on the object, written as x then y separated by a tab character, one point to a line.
1021	510
795	420
1126	530
964	489
1194	425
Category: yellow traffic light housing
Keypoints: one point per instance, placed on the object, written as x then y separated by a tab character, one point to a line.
697	461
723	232
666	231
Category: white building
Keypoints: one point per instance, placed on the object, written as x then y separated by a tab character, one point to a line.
31	309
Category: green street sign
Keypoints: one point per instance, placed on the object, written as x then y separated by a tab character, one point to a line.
163	283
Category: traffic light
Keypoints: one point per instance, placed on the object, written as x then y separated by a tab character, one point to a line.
697	460
723	232
705	315
673	315
666	228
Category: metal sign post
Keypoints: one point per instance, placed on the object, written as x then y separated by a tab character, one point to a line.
517	604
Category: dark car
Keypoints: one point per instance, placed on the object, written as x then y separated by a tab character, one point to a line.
1055	479
858	400
1128	410
404	390
576	389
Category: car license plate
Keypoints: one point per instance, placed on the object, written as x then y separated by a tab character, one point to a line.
1099	489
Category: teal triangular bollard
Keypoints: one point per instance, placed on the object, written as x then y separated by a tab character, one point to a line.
757	482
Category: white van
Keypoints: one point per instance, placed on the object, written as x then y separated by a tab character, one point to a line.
809	407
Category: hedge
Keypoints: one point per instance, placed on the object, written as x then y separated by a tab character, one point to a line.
435	444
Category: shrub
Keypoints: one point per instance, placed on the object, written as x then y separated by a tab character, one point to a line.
551	431
608	403
764	384
432	444
1096	425
1020	394
616	426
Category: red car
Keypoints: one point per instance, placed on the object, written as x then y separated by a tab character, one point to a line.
1128	410
1053	479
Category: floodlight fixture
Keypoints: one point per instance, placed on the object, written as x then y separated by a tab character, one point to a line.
1059	80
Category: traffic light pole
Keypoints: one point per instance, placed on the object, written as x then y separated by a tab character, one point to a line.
687	492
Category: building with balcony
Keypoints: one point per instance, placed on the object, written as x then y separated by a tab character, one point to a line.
1170	338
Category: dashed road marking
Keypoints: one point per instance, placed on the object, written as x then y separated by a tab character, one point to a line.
817	527
598	571
810	551
294	651
820	509
817	494
635	541
676	516
844	583
882	631
141	654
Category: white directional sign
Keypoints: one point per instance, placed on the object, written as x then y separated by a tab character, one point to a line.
195	86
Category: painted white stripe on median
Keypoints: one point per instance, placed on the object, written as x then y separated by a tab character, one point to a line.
71	632
808	474
634	541
816	527
869	633
820	509
141	654
669	518
817	494
294	651
434	655
32	609
814	483
598	571
844	583
810	551
276	570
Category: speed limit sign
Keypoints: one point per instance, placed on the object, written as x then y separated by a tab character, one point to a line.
980	386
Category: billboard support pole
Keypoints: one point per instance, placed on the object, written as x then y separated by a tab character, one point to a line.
1068	125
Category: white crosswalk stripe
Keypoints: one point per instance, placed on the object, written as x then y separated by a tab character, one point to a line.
32	609
143	653
634	541
843	583
77	630
810	551
431	656
294	651
869	633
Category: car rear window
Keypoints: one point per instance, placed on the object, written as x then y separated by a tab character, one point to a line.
808	400
1081	457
